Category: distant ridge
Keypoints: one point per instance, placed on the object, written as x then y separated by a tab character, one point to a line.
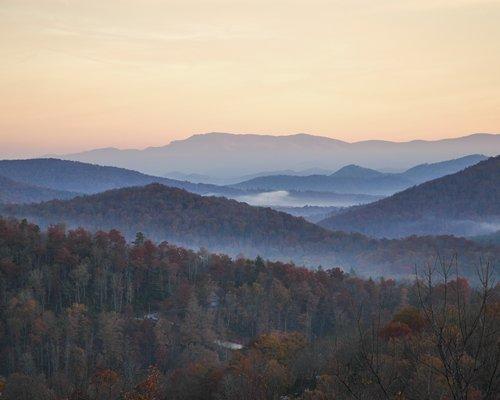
18	192
228	226
356	179
465	203
225	155
425	172
73	176
86	178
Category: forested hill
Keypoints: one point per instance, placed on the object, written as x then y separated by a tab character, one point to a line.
18	192
350	179
425	172
89	317
228	226
90	178
465	203
356	179
165	213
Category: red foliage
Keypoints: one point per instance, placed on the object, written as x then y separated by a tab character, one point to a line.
395	330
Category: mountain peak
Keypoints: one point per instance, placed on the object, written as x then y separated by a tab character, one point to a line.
355	171
464	203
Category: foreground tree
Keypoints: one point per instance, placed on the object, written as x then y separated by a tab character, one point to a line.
89	317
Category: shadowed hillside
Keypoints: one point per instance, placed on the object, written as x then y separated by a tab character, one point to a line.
17	192
89	178
356	179
465	203
218	224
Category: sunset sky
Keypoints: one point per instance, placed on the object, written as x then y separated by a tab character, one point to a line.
81	74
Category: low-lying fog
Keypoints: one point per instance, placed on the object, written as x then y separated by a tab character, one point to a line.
283	198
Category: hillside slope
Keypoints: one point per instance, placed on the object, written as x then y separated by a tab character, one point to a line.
18	192
356	179
465	203
426	172
89	178
223	225
373	183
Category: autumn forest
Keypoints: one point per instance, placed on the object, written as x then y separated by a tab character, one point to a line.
249	200
88	316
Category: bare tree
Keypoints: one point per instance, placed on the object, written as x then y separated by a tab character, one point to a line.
463	329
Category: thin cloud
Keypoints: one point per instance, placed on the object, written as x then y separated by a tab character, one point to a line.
207	33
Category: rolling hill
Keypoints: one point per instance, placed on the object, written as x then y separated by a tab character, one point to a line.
223	225
225	155
18	192
356	179
465	203
349	179
426	172
89	178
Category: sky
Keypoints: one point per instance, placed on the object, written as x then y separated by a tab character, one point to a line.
83	74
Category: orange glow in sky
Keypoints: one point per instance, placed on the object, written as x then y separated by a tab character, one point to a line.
134	73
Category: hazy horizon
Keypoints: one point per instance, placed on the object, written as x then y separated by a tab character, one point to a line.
249	199
41	154
80	75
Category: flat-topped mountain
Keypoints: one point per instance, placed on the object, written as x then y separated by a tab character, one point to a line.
230	155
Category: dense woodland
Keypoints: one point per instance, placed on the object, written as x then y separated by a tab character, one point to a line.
490	239
457	203
88	316
227	226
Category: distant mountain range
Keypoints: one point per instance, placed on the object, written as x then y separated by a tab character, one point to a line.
74	177
303	172
200	178
426	172
465	203
356	179
224	155
17	192
219	224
